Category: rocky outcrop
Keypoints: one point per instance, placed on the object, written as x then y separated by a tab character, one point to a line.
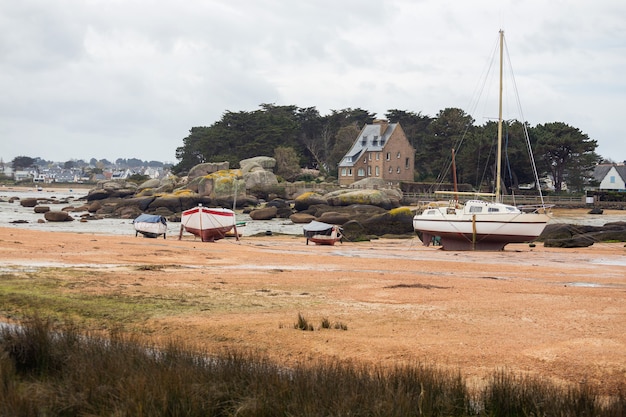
377	198
576	236
308	199
207	168
265	163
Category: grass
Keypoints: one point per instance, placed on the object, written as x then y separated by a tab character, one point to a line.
22	295
53	371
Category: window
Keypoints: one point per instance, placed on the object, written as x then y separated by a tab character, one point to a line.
388	156
493	210
378	156
369	156
369	170
398	155
398	170
343	172
378	171
476	209
390	170
406	163
612	180
349	172
360	172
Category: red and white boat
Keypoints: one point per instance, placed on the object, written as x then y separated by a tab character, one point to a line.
209	224
322	233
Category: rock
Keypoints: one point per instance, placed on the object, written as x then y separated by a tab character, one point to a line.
306	200
333	217
151	183
222	185
58	216
265	162
596	210
95	206
262	180
576	242
207	168
300	218
42	209
28	202
576	236
265	213
94	195
395	222
368	197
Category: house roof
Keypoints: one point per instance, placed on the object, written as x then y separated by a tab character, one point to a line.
371	139
601	171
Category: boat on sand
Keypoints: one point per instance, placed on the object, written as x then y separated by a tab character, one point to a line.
209	224
322	233
481	224
150	225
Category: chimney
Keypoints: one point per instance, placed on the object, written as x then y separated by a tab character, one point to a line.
383	125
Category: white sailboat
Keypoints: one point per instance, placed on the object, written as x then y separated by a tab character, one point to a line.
480	224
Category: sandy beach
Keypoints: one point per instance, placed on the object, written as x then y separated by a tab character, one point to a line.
556	313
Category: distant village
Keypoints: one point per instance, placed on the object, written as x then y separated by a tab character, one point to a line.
78	172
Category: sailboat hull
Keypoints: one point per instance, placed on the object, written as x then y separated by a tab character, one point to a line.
460	229
209	224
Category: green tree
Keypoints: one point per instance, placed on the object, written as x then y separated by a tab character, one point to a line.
22	162
445	132
287	163
565	152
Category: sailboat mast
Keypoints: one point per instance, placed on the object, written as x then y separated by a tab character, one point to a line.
499	156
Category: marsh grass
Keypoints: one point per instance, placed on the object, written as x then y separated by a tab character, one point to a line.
58	371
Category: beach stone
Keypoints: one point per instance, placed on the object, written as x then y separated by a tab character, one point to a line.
265	213
58	216
333	217
301	218
41	209
28	202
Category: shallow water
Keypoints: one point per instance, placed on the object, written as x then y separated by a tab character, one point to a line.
10	212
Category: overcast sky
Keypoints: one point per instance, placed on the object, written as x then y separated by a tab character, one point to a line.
129	78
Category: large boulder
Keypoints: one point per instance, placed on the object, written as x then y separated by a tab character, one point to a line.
369	197
333	217
222	185
577	236
307	199
395	222
265	162
28	202
260	180
151	183
207	168
299	218
265	213
58	216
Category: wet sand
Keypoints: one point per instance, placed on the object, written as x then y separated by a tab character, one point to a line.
556	313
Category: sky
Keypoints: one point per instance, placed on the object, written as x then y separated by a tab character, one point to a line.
109	79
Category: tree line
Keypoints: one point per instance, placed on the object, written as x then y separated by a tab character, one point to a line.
308	139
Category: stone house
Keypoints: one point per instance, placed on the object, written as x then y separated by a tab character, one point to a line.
381	150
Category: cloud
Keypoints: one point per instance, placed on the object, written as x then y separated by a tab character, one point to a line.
110	79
